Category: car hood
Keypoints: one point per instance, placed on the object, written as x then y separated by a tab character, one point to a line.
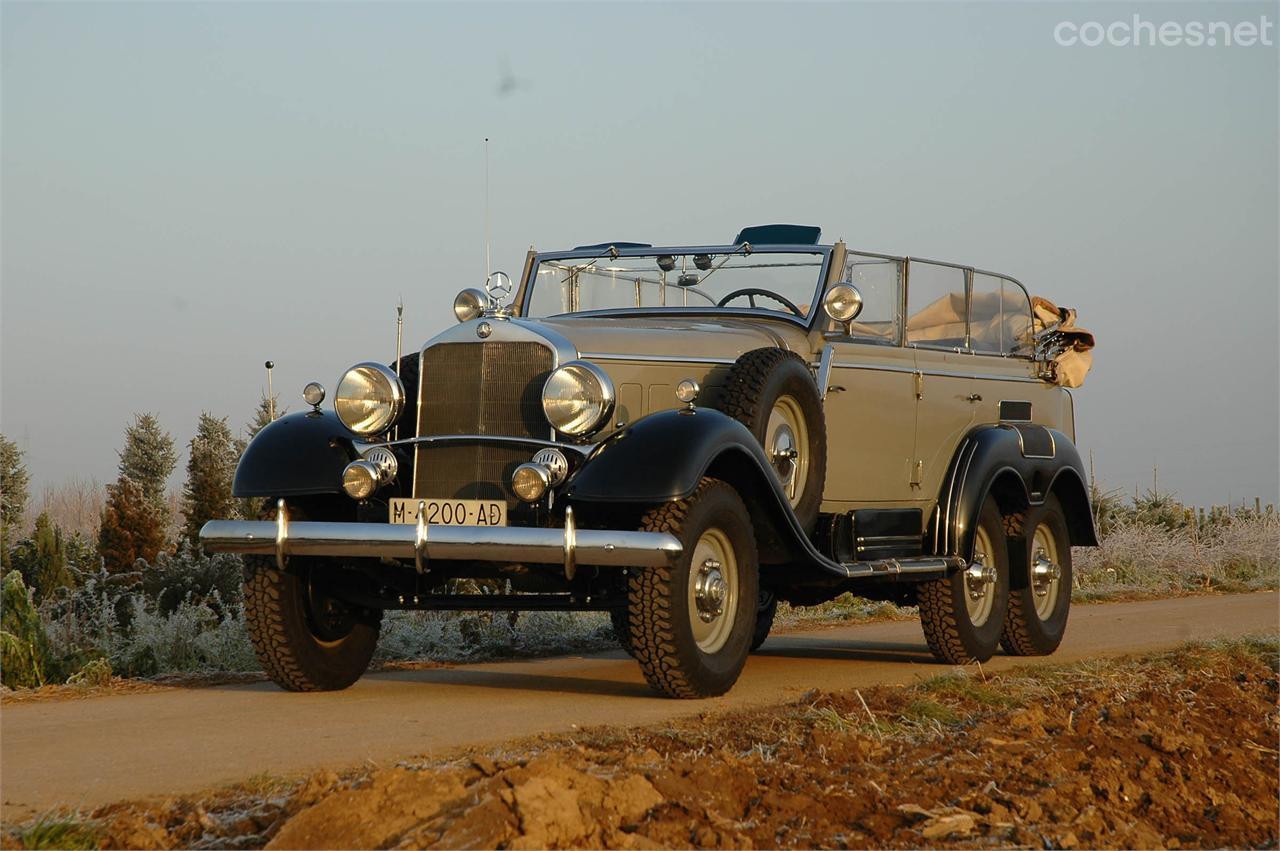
666	337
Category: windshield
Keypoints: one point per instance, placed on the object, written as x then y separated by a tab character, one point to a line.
773	282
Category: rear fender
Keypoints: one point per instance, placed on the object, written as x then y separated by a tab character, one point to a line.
1020	465
299	454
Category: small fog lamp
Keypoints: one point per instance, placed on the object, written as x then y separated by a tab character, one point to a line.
666	262
687	391
313	393
359	479
530	481
702	261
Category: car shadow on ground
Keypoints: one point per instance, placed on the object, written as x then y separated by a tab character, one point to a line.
852	651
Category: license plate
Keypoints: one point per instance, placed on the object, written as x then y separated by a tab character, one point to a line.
451	512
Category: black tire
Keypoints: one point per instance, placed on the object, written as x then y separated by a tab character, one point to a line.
766	610
1028	632
659	614
949	628
754	385
621	629
305	640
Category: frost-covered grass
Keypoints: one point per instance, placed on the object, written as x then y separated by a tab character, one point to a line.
138	627
477	636
1240	554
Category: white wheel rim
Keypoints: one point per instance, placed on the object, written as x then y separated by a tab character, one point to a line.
1046	571
786	442
980	579
713	590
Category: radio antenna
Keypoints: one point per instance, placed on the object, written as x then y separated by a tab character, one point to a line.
486	208
271	396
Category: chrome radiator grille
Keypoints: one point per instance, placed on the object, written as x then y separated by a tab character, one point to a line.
481	389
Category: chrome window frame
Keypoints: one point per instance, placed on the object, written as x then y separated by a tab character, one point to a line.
534	258
525	294
901	337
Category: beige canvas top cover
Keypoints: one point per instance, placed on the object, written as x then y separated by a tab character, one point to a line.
1067	348
1064	347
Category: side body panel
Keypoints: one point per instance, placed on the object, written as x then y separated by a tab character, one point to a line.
943	414
870	418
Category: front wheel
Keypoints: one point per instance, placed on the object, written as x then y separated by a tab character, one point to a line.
305	639
962	614
766	611
691	623
1040	598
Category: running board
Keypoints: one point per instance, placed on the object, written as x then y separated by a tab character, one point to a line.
923	567
914	567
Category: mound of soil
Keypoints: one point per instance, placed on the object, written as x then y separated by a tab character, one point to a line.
1171	751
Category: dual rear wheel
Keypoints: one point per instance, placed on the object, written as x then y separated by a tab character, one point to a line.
1015	592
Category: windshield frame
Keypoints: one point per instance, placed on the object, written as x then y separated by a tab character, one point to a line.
525	295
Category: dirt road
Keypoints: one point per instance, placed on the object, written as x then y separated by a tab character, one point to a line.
83	753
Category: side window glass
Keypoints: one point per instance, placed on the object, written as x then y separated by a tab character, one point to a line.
935	305
999	317
1018	332
880	283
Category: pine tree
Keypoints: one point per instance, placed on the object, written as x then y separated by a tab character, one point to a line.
130	528
262	416
211	466
13	496
42	558
148	459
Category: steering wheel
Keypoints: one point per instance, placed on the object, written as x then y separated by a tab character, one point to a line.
752	292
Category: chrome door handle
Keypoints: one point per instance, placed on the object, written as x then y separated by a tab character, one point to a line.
975	398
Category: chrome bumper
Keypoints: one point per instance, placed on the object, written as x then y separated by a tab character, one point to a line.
569	546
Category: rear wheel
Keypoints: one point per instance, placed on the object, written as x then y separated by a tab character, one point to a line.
962	614
1040	598
305	638
691	623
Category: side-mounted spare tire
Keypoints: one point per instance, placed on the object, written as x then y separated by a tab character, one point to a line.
772	393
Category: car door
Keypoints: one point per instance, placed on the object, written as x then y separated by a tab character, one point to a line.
870	403
937	333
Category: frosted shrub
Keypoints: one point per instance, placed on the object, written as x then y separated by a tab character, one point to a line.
470	636
191	638
1238	554
192	576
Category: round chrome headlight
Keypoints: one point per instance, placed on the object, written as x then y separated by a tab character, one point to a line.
369	398
578	398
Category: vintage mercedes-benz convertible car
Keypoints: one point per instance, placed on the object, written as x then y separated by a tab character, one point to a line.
682	437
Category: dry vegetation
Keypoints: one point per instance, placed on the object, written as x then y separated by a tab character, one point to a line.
182	614
1172	750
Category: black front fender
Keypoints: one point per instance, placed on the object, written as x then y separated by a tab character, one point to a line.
303	453
661	457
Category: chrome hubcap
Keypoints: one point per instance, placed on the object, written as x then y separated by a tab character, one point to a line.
784	454
709	590
787	445
1046	573
713	590
980	580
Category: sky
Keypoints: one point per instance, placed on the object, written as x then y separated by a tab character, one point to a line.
189	189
